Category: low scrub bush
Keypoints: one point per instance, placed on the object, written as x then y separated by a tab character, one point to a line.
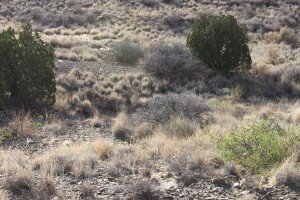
150	3
176	23
292	74
142	190
125	52
161	109
289	174
21	124
171	61
273	56
5	134
120	130
289	36
25	188
258	147
87	191
180	128
82	94
19	185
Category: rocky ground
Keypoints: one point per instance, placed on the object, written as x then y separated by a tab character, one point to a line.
166	185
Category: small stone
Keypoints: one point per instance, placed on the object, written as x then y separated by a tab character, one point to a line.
218	181
168	197
101	190
236	185
242	182
245	192
67	143
110	179
29	141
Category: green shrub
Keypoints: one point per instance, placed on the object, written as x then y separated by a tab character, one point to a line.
258	147
26	67
220	43
6	134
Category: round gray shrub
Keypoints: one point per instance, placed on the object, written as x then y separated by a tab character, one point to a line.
171	61
125	52
162	108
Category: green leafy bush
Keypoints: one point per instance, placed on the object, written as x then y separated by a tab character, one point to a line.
258	147
220	43
5	134
26	68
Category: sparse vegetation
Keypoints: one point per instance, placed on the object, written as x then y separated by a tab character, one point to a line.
138	116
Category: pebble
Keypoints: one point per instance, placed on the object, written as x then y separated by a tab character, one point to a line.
245	192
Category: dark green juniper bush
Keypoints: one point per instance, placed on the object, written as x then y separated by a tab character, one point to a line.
220	43
26	70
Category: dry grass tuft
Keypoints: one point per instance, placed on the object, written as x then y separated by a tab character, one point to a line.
289	173
296	116
235	170
57	128
86	192
120	130
289	36
21	124
65	42
4	194
179	127
143	130
273	56
24	187
102	148
142	190
19	185
77	160
14	162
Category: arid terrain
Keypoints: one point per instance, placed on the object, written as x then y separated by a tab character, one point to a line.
118	132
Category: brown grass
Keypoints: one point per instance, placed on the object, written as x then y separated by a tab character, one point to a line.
102	148
296	115
179	127
289	36
120	130
21	124
76	160
289	172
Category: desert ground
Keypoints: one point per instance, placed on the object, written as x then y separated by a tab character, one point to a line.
118	132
